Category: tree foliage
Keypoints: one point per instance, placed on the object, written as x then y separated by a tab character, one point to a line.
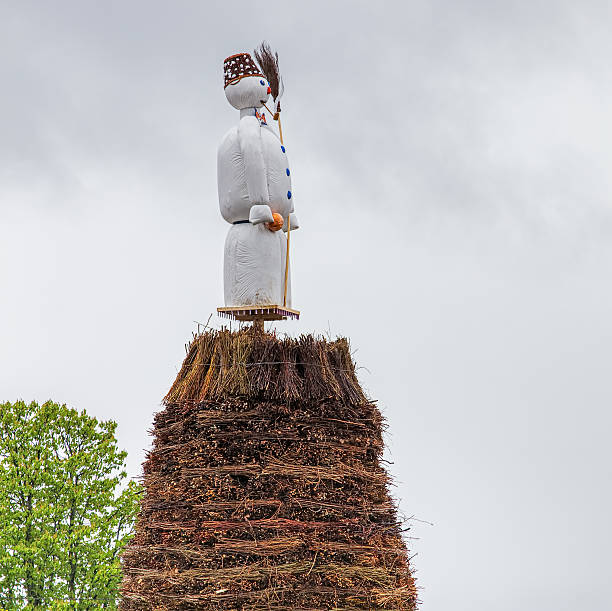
65	514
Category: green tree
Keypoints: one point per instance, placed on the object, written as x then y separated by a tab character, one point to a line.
65	513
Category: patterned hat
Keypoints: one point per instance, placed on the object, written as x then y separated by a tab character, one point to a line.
238	66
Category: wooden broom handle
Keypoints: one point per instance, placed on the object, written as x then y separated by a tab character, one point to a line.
287	260
280	129
280	133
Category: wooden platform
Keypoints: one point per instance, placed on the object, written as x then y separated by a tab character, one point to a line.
258	312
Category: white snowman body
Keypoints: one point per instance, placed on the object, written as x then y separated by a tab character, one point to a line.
254	182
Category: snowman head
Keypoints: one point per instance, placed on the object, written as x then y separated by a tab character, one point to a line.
248	92
245	85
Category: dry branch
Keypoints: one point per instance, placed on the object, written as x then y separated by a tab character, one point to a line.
264	486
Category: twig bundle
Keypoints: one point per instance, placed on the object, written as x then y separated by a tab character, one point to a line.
268	62
264	488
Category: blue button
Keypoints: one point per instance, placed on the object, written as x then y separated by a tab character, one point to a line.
288	194
288	172
282	148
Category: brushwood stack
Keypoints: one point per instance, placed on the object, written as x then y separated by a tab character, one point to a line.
264	488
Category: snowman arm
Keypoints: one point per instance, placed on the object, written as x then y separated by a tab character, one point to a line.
249	138
260	213
295	224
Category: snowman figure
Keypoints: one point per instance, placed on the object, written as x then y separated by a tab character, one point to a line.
255	195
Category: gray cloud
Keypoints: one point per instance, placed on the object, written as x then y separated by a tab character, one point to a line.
451	176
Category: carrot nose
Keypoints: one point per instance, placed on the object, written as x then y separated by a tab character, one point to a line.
269	90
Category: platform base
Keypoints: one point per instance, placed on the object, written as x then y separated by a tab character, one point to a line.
258	312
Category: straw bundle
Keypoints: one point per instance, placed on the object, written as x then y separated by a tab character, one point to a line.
264	488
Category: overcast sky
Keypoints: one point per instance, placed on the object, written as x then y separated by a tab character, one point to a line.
451	170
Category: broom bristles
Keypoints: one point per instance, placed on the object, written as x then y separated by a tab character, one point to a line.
268	62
